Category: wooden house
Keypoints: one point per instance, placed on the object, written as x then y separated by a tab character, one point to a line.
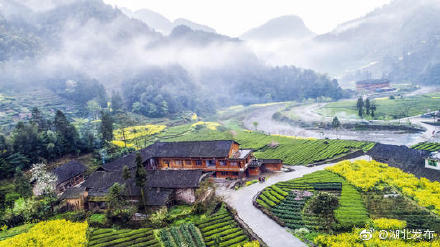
223	158
372	84
69	175
163	188
433	161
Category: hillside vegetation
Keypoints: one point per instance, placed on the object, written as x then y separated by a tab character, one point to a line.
370	195
387	109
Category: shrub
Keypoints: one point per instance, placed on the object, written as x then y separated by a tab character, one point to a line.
97	220
158	217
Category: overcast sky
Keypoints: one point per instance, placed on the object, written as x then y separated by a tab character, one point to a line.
233	17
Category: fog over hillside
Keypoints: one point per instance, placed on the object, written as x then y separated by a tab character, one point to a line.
87	40
161	24
399	41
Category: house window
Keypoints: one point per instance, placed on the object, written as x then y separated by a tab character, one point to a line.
224	173
222	162
199	163
188	162
234	163
432	163
167	163
178	162
210	163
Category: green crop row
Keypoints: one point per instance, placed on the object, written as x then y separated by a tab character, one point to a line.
222	230
125	237
428	146
183	235
350	212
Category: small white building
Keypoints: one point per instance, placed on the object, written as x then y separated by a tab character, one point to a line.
433	161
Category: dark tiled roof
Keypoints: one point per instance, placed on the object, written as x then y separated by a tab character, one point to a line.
69	170
158	197
174	178
99	182
128	160
188	149
372	81
270	161
72	193
192	149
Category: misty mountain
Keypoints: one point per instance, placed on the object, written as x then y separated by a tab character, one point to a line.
161	23
192	37
86	46
284	27
399	41
15	42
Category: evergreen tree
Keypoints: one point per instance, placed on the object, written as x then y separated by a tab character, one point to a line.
141	176
360	106
126	175
26	141
106	127
372	109
336	123
22	184
67	134
115	197
38	119
116	102
367	106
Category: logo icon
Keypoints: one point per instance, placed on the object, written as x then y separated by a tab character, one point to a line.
365	235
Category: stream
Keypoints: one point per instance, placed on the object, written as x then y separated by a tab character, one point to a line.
268	125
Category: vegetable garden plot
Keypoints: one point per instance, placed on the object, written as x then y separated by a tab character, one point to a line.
127	237
286	200
222	230
183	235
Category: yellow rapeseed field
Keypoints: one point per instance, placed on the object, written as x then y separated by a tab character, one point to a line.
50	233
369	175
134	132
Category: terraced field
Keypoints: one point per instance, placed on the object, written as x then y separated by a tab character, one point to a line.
127	237
427	146
222	230
286	200
16	107
294	151
184	235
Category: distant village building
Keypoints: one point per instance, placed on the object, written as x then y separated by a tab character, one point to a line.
374	85
69	175
174	172
433	161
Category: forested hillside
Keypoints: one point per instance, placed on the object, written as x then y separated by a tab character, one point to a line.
82	50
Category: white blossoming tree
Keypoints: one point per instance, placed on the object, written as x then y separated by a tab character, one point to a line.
45	180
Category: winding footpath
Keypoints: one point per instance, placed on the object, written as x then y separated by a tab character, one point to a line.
268	230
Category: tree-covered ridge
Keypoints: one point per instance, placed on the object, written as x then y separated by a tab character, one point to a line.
155	75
